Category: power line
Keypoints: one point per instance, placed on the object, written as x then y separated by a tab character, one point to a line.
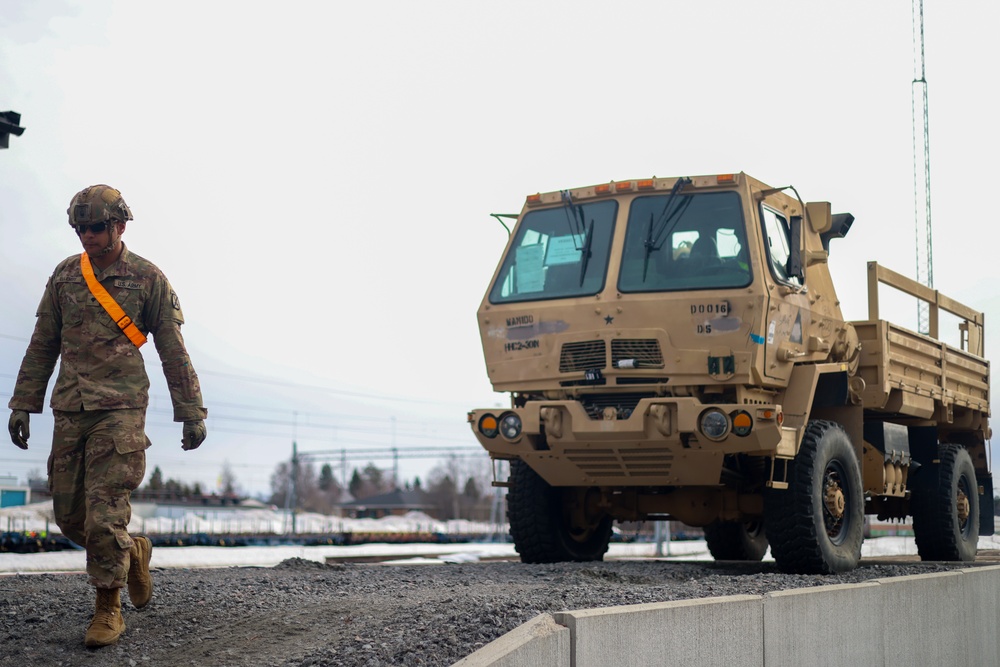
274	382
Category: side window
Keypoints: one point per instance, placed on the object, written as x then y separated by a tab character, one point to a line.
778	244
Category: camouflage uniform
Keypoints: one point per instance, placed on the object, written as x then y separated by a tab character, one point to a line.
100	398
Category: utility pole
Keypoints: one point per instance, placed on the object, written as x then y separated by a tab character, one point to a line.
921	167
395	457
295	483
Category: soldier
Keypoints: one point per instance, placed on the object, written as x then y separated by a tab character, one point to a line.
95	314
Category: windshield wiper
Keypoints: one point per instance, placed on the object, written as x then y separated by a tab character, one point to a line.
654	241
649	247
574	216
585	257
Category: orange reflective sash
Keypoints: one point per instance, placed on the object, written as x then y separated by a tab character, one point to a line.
123	321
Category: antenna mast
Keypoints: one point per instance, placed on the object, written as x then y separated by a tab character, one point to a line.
921	167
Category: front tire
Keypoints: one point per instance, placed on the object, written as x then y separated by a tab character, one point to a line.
946	507
736	540
542	524
816	525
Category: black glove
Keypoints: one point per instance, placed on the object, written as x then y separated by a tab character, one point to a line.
18	427
194	434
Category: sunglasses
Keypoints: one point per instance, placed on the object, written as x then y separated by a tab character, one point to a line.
96	228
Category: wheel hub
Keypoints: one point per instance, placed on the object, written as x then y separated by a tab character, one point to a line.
962	505
834	499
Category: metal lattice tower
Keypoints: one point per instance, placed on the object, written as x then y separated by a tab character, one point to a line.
921	167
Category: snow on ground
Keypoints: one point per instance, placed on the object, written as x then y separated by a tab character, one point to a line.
196	557
33	517
38	517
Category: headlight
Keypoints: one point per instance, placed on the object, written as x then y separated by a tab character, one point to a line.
714	424
488	426
510	426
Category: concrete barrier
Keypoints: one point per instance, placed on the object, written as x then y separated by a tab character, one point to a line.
928	619
540	642
714	631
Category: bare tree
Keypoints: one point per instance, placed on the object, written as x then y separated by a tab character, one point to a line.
454	486
306	488
227	479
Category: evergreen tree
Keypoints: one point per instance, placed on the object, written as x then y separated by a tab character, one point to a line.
327	482
155	480
356	485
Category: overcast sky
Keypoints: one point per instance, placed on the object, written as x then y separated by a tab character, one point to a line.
316	178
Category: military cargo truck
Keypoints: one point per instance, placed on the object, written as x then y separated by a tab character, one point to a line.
675	348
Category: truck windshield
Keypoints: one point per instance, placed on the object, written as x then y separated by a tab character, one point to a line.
690	242
557	253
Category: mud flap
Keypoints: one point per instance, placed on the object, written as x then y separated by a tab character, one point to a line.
985	483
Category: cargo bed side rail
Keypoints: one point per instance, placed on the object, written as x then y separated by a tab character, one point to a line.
971	328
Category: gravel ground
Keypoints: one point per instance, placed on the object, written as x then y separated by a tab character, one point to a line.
305	613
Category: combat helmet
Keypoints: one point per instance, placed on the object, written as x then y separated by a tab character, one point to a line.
98	203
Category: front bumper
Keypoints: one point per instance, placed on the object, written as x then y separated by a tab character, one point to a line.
660	444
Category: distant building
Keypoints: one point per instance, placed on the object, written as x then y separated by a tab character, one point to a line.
13	494
395	503
148	504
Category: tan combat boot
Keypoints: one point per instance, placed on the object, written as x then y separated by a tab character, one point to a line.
107	625
140	584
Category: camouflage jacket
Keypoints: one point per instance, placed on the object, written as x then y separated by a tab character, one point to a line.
101	369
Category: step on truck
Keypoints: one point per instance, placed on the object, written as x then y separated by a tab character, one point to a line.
674	348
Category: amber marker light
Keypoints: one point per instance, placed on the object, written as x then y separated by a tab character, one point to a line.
742	423
534	199
725	178
488	426
623	186
602	189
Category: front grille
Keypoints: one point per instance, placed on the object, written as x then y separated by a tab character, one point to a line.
645	351
624	404
622	463
583	356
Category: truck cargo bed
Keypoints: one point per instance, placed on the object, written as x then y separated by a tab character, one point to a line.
916	375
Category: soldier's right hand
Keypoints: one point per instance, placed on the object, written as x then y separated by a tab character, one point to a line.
18	427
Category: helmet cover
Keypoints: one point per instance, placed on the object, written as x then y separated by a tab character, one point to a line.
98	203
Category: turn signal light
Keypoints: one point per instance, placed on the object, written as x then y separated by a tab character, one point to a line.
742	423
488	426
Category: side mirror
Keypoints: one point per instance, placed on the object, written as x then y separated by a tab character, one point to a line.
818	214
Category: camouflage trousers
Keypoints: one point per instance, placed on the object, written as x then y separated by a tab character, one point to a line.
98	458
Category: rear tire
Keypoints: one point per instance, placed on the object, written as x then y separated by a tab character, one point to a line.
946	508
540	522
816	525
736	540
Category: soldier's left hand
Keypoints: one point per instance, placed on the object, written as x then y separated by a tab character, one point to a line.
17	426
194	434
